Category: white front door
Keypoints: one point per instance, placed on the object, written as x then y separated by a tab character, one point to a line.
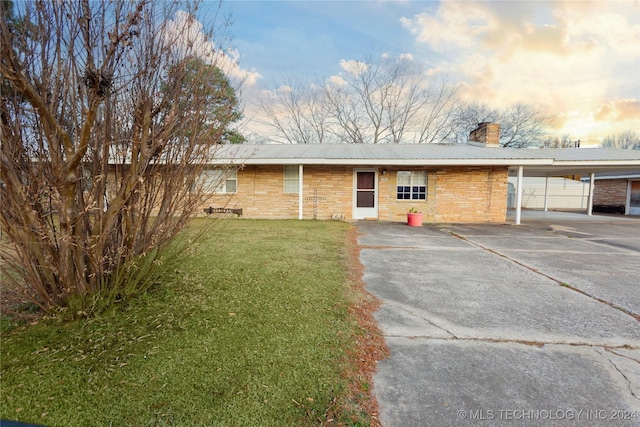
365	194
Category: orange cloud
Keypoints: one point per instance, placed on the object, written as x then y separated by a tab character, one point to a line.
619	110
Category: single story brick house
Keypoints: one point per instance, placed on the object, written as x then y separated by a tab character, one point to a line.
617	192
447	182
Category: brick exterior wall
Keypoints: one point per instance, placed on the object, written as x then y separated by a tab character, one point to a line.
261	193
611	192
471	195
453	194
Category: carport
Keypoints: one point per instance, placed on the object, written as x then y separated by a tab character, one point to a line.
573	162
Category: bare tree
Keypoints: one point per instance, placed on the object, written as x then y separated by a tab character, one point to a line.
521	125
393	101
380	100
629	140
109	111
297	112
564	141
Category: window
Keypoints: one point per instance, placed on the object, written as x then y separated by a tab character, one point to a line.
291	179
218	181
412	185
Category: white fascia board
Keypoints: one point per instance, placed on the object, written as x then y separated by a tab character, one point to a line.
632	176
597	163
391	162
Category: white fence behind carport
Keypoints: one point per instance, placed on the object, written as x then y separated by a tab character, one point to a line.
562	193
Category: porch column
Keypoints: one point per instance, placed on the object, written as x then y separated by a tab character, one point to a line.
546	192
519	195
300	195
627	203
592	179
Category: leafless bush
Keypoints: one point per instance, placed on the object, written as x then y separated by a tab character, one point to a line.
109	111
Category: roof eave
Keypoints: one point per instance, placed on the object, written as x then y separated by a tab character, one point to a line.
388	162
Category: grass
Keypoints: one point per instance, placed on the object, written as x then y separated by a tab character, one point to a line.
252	330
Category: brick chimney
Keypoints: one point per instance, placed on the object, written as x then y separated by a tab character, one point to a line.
485	135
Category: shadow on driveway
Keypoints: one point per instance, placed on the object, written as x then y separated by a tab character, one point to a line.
535	324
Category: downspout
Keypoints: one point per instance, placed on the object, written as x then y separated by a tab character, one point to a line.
519	195
592	178
300	195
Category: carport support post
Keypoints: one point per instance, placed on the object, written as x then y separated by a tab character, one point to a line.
627	203
546	193
519	195
300	196
592	179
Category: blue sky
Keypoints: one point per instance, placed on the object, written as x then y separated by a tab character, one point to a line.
277	37
580	60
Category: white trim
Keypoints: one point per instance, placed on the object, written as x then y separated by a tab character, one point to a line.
627	204
546	193
591	186
355	193
519	196
629	176
595	163
387	162
300	197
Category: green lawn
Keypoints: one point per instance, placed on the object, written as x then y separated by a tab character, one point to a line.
252	330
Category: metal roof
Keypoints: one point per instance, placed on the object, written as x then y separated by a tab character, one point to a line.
379	154
538	162
579	161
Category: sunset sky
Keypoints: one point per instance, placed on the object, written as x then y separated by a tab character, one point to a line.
580	60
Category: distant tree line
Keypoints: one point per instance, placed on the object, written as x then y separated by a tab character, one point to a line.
394	100
389	100
629	140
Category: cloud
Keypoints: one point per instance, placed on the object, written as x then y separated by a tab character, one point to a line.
570	57
619	110
353	67
455	24
188	33
337	81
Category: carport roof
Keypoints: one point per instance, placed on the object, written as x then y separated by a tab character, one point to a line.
539	162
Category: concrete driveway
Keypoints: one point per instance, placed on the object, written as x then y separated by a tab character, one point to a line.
537	324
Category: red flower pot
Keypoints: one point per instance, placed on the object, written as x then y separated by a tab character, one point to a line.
414	219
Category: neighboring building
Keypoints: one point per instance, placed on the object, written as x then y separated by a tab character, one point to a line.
448	183
561	193
617	192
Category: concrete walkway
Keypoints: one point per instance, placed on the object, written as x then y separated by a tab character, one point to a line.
537	324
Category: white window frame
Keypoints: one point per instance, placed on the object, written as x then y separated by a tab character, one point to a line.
218	181
291	179
417	180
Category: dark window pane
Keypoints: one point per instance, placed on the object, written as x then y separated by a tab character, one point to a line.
365	199
366	180
423	196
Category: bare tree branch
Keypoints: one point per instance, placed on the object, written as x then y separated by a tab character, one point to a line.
109	112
